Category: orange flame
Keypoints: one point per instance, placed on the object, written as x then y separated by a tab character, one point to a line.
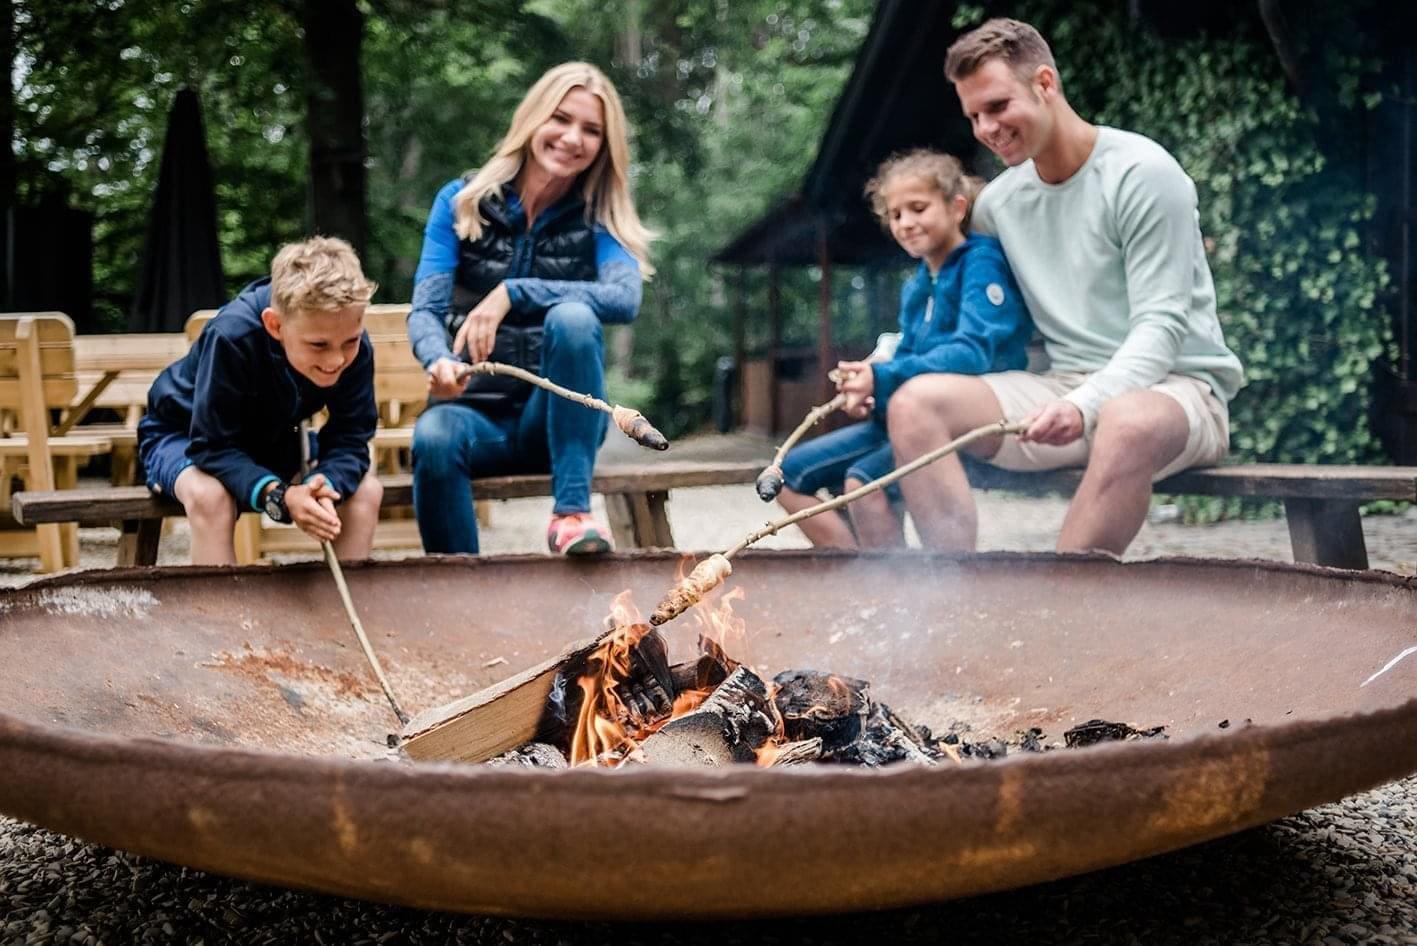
598	732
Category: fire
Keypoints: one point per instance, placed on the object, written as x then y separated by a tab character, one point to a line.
598	731
603	732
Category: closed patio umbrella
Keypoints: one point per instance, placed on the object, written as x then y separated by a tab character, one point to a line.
181	258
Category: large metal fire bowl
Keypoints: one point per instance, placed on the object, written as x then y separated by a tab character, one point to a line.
225	719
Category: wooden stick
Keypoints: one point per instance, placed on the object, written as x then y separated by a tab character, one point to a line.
711	572
333	561
769	482
630	421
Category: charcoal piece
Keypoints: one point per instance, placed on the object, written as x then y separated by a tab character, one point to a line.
731	725
885	738
825	705
1100	730
1032	741
797	753
533	755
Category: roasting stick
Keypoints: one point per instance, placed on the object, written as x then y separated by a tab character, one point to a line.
332	561
630	421
711	572
769	482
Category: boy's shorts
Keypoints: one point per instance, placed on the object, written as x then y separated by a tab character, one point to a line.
860	452
163	454
1022	392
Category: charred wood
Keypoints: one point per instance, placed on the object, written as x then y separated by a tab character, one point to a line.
1100	730
825	705
730	726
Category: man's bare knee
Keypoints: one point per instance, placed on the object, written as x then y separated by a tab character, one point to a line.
1144	431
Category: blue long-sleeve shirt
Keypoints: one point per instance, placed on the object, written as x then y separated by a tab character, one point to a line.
969	319
240	402
614	296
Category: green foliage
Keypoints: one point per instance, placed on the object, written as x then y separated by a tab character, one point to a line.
1302	297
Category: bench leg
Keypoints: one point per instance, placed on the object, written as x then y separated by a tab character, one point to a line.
640	520
248	538
139	541
1326	532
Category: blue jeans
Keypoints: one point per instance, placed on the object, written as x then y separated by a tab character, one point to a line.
453	442
859	452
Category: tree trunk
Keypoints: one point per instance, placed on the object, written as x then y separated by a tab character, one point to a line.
334	33
8	181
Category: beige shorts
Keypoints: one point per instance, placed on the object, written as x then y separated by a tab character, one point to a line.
1022	392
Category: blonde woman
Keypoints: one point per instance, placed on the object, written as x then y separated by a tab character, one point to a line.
523	261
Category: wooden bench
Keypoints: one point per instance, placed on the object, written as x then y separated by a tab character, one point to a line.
37	375
1320	502
636	500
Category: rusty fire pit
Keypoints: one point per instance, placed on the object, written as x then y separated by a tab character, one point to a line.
223	719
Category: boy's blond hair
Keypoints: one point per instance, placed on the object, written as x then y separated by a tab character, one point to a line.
942	171
321	274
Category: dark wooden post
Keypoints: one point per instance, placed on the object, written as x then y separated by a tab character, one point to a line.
334	34
774	341
740	344
825	358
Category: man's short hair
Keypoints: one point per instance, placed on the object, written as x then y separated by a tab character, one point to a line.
320	274
1014	43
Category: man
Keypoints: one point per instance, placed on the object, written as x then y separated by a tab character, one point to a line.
1101	229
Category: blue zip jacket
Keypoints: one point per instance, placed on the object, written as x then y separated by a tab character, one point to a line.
977	322
240	402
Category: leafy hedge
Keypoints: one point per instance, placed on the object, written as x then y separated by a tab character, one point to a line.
1302	298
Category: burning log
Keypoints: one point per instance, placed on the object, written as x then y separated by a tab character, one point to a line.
821	705
711	572
631	422
730	726
792	753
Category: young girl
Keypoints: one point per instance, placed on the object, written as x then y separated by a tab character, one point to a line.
961	313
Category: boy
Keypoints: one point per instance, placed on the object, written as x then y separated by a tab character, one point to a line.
221	434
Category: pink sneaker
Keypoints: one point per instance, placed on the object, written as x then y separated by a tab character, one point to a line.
577	534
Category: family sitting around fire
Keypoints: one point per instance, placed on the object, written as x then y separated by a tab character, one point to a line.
1090	236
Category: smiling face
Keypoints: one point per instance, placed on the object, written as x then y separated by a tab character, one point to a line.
319	344
1011	117
568	142
924	221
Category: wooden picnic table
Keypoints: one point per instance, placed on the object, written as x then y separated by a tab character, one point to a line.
115	371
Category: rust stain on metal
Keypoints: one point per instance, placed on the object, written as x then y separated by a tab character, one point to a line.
1214	792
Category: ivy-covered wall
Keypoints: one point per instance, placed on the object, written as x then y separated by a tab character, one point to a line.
1302	297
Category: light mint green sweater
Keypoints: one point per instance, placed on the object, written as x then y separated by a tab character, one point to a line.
1113	269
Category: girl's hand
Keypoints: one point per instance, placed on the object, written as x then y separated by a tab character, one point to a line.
444	378
312	508
479	330
858	383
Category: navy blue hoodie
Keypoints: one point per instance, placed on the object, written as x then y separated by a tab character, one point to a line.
240	402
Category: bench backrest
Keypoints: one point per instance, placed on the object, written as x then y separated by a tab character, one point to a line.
46	341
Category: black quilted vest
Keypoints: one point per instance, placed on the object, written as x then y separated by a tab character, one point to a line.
562	246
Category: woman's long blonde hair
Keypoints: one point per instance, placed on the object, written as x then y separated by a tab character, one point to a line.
605	185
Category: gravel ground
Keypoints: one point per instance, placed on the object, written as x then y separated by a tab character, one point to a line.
1341	873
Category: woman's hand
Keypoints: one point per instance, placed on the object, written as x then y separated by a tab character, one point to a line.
858	383
445	378
479	330
312	508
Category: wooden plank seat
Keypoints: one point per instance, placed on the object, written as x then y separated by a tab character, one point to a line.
636	499
1321	503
